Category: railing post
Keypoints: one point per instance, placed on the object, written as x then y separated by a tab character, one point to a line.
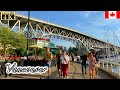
103	65
118	70
111	66
99	63
107	66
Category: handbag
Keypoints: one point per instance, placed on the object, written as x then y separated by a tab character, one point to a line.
97	65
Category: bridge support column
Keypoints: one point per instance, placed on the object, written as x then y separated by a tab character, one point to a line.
78	46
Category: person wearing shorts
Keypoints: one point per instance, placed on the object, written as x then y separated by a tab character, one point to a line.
92	61
97	61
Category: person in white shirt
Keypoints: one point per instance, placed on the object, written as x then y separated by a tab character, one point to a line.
65	64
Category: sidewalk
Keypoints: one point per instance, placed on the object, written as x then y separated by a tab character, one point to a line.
74	73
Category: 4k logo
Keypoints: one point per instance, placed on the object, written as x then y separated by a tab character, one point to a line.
7	16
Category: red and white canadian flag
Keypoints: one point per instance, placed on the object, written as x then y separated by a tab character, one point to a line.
112	14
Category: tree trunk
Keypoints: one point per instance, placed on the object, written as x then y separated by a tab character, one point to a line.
4	46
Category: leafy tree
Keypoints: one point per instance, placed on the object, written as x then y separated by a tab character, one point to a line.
54	51
9	37
41	52
20	40
6	37
73	50
11	51
20	51
119	52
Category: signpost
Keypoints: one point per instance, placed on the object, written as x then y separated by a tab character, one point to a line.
28	34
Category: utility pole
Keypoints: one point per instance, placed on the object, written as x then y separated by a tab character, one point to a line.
27	36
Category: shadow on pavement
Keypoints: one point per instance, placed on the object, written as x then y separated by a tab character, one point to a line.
74	71
21	77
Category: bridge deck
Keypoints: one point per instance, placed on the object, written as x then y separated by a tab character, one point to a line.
74	73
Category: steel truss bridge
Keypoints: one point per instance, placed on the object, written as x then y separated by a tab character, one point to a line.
40	28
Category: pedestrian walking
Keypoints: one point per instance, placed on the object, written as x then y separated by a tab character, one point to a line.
59	63
92	61
83	64
48	58
65	63
97	62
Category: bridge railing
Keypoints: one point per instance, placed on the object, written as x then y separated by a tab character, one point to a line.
110	67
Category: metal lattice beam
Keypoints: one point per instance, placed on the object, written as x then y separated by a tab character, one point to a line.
49	29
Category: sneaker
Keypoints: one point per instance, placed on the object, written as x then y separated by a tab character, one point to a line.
58	76
67	78
96	73
48	77
41	77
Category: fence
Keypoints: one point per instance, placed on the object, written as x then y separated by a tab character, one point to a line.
109	66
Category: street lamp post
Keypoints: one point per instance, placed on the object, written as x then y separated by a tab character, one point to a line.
27	36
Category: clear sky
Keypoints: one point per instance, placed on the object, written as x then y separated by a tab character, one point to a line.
91	23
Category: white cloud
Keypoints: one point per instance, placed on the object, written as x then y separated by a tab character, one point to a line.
86	14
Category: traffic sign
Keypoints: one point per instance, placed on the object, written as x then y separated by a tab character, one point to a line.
28	34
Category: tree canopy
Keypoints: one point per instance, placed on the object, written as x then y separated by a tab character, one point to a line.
9	37
73	50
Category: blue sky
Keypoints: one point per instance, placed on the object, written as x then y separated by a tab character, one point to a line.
91	23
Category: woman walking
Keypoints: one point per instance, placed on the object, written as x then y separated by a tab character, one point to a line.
97	61
65	64
92	61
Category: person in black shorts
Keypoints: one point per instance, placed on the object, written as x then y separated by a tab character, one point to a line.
59	63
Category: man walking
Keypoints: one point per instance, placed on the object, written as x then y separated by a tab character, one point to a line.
84	59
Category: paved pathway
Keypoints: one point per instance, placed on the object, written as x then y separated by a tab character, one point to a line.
74	73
